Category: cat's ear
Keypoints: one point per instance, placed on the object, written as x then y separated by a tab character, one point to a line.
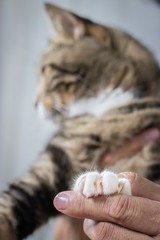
65	23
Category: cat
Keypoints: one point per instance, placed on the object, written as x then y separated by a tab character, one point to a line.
100	87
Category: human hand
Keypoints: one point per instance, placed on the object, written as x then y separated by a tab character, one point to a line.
130	148
134	217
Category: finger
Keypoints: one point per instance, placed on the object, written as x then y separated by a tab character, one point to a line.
108	231
142	187
157	237
139	214
130	148
70	230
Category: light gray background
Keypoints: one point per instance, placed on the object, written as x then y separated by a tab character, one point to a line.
23	36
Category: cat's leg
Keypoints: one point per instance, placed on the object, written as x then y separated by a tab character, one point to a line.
92	184
28	202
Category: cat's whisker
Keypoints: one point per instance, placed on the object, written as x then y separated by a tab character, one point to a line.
59	107
93	166
56	109
59	110
58	104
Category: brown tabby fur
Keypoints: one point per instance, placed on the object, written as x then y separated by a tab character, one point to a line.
84	58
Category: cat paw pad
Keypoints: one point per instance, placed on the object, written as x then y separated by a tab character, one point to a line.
94	184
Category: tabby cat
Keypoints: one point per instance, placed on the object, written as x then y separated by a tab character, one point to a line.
100	87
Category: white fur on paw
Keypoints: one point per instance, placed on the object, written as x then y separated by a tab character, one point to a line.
92	184
86	184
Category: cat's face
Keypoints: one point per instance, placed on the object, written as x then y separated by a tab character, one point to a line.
90	69
70	68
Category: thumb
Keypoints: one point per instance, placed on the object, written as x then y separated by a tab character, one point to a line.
74	204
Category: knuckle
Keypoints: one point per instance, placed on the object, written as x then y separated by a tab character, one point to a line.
132	177
118	208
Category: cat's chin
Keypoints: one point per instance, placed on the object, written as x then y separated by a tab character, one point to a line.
43	113
47	115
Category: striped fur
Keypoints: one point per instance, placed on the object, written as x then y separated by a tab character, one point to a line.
83	60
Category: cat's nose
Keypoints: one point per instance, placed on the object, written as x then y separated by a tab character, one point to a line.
35	103
37	100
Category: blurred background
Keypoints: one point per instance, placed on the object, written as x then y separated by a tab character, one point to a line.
24	33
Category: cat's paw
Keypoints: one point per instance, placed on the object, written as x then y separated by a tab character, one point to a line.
92	184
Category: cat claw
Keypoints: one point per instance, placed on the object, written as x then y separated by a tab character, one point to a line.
93	184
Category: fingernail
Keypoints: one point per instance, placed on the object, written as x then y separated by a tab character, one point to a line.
89	228
152	134
61	201
89	222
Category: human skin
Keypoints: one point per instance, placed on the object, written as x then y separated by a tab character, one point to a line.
134	217
119	216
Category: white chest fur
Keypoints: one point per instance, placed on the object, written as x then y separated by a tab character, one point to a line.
104	102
